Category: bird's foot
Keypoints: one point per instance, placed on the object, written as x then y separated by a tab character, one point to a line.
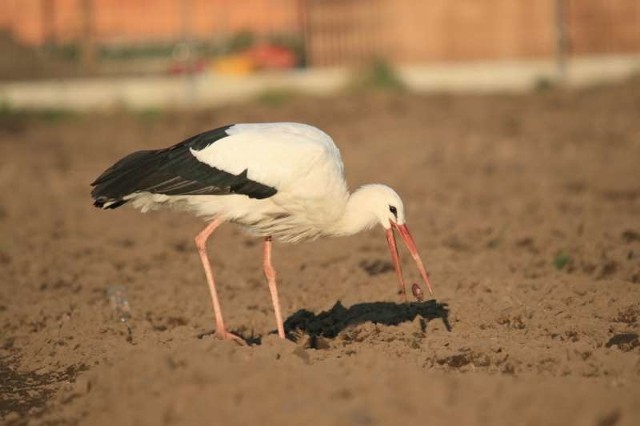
225	335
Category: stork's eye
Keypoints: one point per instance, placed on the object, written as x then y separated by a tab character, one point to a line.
393	210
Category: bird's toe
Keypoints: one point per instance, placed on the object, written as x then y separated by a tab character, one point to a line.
225	335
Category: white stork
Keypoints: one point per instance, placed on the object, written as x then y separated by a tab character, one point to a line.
277	180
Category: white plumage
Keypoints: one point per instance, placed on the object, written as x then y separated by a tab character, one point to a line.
280	180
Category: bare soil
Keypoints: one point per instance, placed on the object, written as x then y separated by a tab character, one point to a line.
526	210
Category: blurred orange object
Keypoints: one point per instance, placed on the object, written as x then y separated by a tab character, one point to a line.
238	64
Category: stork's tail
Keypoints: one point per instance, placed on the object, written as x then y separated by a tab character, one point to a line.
106	203
113	186
173	171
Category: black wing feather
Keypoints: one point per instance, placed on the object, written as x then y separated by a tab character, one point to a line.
173	171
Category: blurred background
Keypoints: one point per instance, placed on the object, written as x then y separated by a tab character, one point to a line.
541	41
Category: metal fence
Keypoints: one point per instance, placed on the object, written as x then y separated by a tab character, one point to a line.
63	38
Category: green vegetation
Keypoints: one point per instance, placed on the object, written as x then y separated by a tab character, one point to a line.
239	41
149	114
276	96
5	108
544	83
236	42
378	75
53	114
561	259
8	113
499	238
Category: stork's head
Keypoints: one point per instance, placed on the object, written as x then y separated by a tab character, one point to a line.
387	207
386	204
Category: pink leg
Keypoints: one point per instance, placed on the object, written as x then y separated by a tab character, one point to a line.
201	243
270	274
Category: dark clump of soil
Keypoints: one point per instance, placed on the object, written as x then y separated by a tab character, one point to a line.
26	393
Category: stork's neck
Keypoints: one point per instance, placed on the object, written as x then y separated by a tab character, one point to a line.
358	214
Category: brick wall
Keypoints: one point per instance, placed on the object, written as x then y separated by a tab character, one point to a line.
341	32
35	22
446	30
442	30
601	26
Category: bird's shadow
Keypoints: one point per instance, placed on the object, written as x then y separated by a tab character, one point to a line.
328	324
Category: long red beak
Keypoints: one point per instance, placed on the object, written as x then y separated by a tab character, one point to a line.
411	246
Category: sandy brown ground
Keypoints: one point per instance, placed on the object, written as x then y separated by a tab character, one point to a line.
526	210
